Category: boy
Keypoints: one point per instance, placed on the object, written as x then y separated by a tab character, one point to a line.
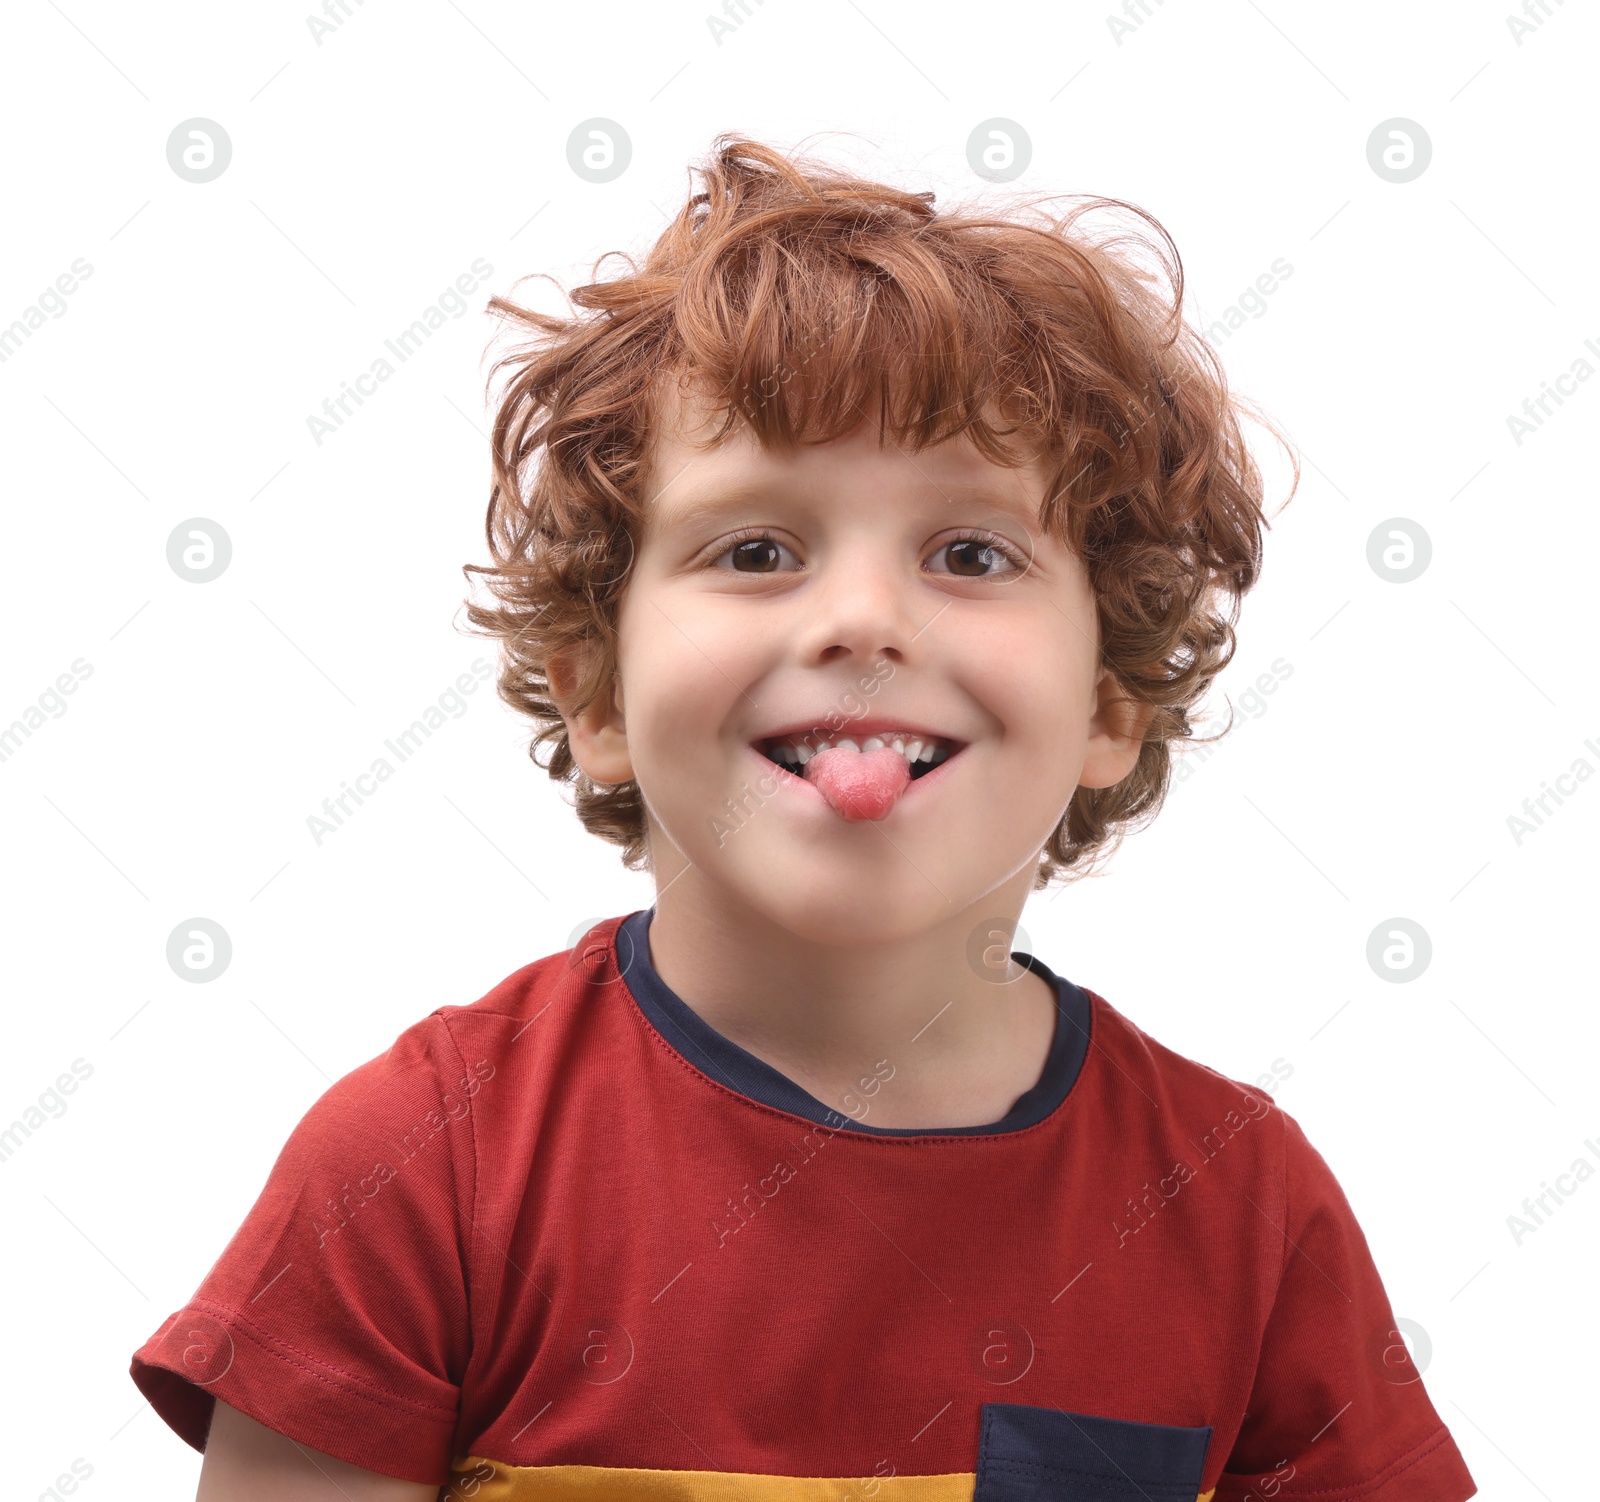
871	565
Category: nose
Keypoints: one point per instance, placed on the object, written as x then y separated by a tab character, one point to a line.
862	607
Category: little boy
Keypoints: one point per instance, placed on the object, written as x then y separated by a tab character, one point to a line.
860	566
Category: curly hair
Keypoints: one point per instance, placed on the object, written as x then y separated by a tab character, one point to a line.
809	299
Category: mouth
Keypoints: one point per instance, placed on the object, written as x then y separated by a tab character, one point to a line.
922	750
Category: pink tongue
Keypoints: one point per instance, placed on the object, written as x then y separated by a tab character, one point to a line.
859	784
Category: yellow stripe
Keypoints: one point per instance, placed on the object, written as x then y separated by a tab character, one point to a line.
478	1480
559	1483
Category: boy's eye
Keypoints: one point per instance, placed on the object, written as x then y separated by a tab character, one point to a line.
756	553
978	556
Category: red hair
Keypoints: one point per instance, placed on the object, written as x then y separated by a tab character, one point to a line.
813	300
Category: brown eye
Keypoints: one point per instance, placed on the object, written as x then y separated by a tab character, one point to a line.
755	555
975	558
751	553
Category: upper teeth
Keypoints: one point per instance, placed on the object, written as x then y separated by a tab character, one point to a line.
913	748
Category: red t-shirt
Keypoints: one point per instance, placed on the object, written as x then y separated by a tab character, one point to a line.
570	1241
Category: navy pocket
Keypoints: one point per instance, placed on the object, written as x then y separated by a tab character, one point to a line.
1049	1455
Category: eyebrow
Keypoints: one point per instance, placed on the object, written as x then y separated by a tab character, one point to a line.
711	504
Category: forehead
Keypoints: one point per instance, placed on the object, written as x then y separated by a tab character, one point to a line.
684	466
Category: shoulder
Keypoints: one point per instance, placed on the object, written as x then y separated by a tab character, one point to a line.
535	1016
446	1068
1165	1076
1225	1135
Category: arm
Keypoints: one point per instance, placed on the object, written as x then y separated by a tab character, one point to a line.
247	1462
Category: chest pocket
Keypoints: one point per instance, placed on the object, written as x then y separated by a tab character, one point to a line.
1048	1455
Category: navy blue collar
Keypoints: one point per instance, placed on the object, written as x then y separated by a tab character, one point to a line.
685	1031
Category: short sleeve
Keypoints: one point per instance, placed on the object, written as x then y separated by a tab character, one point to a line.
1337	1410
337	1314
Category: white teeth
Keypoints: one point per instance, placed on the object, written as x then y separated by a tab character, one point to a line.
915	749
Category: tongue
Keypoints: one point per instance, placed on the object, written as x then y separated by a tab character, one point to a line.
859	784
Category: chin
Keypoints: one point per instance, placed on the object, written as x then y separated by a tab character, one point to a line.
854	913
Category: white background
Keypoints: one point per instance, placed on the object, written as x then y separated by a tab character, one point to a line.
368	172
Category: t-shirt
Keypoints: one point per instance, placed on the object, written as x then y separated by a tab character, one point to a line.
571	1242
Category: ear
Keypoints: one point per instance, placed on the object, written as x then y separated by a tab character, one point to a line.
597	733
1117	729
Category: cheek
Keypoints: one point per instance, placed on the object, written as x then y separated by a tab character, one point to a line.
1035	677
681	673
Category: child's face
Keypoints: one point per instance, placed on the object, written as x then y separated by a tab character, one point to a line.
859	607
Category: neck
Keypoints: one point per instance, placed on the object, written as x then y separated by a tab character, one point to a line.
909	1030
